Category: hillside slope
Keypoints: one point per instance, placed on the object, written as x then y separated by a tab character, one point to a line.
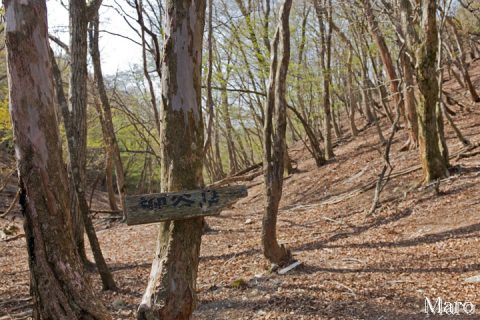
419	243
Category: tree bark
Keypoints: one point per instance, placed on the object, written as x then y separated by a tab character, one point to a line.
58	285
274	138
171	289
433	164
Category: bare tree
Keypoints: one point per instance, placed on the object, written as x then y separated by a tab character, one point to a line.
274	138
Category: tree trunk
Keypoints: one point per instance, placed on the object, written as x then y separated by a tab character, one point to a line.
58	286
146	73
111	139
77	116
324	16
433	164
274	138
109	181
351	96
462	62
232	154
384	53
76	139
108	158
218	158
408	73
171	290
316	151
209	106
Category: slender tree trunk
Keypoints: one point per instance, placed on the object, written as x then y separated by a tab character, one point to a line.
433	164
58	285
108	159
111	139
77	117
408	73
314	143
146	73
218	157
211	112
171	290
336	127
76	138
232	155
462	63
324	15
109	181
351	96
274	138
384	53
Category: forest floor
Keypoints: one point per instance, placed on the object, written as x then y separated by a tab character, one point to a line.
419	243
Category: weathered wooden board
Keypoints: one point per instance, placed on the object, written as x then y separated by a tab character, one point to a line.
150	208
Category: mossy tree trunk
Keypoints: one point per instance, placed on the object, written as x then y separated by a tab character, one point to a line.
58	285
433	163
171	289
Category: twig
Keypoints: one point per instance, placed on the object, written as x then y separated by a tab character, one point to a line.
467	155
12	205
7	179
387	166
18	236
345	287
93	191
105	211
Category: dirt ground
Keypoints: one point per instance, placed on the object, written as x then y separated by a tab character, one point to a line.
420	242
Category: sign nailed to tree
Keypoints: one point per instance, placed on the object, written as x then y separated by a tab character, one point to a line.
150	208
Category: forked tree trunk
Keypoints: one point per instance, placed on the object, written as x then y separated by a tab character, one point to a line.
58	286
433	163
80	205
171	290
79	196
274	138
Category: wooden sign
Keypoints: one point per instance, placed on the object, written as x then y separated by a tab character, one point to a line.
150	208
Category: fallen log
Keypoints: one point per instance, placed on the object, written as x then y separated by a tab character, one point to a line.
240	176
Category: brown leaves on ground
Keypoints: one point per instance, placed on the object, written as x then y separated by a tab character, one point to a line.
419	243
